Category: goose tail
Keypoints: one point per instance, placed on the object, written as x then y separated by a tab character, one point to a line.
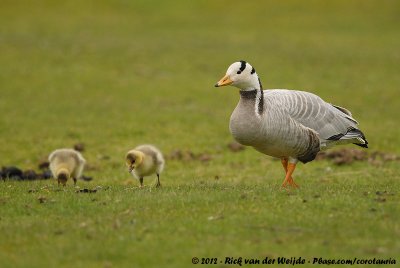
357	134
353	135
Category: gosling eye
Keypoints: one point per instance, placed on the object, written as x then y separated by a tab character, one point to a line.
133	161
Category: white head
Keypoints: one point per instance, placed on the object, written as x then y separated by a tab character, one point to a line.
241	75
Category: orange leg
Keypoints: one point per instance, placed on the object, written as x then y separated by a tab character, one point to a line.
284	162
289	169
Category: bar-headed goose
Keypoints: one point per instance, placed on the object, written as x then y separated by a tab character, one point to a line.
145	160
288	124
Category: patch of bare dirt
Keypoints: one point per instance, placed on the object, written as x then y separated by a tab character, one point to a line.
349	155
30	175
44	164
89	191
80	147
44	173
42	199
235	147
18	174
187	155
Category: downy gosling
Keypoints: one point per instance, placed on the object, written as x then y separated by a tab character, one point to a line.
145	160
66	164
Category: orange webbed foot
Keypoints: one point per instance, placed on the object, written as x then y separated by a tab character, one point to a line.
289	169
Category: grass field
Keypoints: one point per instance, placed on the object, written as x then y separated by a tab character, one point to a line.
115	74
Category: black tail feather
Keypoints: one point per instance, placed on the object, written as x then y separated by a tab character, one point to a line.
351	133
362	136
362	145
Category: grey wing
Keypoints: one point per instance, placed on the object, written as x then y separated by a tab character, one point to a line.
311	111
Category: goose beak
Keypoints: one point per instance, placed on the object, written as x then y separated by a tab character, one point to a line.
225	81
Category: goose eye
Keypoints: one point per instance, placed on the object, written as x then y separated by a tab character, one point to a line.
239	72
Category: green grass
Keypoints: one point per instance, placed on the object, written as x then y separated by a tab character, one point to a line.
114	74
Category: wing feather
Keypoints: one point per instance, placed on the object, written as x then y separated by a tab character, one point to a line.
311	111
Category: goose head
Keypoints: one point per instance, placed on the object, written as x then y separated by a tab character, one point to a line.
134	159
241	75
62	176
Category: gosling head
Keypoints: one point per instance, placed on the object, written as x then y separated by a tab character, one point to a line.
62	176
133	159
241	75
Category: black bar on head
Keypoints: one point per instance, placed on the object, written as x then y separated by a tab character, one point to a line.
242	66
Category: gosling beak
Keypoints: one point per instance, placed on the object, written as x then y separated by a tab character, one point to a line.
225	81
131	168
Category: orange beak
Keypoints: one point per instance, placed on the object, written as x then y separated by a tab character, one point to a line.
225	81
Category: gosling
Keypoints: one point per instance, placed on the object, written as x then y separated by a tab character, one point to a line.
143	161
66	164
